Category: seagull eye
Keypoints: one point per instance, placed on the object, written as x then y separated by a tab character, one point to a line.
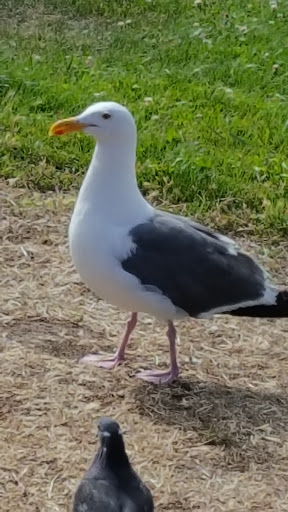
106	115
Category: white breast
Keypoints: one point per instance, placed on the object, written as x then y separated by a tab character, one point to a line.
109	204
97	250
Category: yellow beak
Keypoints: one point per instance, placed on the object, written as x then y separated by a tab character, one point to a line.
66	126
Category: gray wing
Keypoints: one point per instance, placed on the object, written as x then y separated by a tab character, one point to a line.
96	495
140	495
198	269
148	502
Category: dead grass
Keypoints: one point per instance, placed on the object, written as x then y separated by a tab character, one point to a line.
215	441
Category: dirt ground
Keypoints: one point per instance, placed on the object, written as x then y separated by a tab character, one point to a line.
214	441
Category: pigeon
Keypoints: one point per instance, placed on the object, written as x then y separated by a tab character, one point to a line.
111	484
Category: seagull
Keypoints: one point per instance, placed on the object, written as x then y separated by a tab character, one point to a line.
111	484
146	260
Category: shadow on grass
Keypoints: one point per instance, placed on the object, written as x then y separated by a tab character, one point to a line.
53	336
219	414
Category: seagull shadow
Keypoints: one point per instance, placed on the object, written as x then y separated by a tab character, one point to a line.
218	414
57	337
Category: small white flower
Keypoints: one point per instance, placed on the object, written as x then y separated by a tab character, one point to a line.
98	94
89	61
243	28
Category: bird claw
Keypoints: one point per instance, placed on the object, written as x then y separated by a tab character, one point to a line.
156	377
109	362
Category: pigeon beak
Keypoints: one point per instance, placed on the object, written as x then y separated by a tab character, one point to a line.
105	434
66	126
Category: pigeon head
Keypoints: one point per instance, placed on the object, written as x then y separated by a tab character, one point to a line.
109	429
112	449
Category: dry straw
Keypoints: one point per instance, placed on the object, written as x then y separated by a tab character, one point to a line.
214	441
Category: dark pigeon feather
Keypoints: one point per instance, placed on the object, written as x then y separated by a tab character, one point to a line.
197	269
111	484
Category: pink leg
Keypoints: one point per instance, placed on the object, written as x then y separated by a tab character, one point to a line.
157	377
112	361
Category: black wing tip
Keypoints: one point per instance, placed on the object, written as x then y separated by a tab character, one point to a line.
282	299
278	310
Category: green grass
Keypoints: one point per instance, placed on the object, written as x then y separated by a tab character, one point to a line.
214	136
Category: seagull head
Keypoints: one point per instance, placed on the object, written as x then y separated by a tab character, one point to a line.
105	121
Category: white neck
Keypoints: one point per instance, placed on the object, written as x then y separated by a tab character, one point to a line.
110	187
